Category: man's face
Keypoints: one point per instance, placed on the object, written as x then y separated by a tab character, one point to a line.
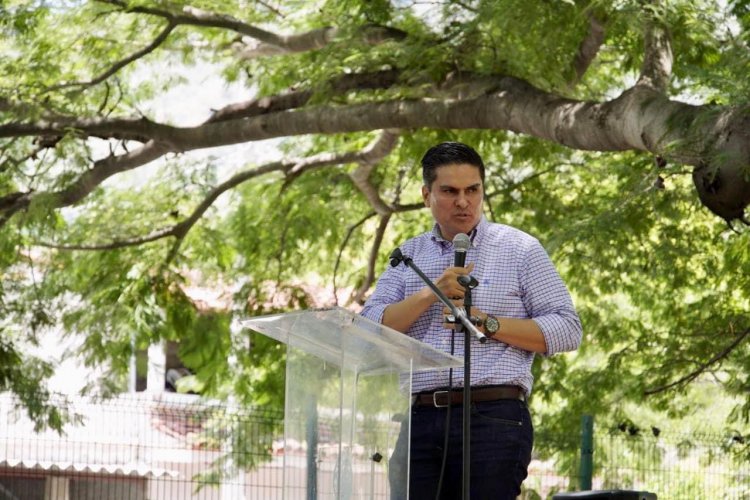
455	199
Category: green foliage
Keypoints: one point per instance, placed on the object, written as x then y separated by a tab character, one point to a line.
662	286
24	375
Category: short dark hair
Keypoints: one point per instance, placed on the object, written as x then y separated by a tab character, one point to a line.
449	153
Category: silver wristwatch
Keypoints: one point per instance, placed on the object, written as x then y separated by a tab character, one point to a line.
491	325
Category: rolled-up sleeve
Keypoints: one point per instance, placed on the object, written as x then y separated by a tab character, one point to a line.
548	301
389	290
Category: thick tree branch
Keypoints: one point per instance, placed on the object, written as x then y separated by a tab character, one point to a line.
12	203
349	233
298	98
656	71
701	369
640	119
263	105
359	295
361	179
136	129
103	169
370	158
142	129
589	47
106	168
399	208
372	153
312	40
302	42
396	207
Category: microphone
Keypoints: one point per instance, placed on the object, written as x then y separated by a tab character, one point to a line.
461	244
397	257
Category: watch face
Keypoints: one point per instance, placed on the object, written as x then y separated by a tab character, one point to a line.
492	324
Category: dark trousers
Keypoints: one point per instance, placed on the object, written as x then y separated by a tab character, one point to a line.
501	440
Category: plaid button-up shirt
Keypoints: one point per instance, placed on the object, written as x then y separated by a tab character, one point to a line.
516	279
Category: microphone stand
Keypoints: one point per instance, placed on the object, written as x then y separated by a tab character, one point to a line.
459	314
468	282
466	326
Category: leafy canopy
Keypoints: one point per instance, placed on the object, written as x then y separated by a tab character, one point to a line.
114	205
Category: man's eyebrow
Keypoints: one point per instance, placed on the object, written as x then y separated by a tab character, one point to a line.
448	186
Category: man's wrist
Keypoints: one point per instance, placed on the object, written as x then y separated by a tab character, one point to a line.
428	296
491	325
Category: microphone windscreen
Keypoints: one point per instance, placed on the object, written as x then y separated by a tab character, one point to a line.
461	242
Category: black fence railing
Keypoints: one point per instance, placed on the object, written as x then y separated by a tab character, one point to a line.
169	446
674	466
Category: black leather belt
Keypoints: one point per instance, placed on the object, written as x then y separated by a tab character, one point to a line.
478	395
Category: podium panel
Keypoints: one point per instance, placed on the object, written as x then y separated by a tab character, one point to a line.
348	392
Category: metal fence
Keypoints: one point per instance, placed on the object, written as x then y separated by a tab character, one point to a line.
673	465
142	446
676	465
170	446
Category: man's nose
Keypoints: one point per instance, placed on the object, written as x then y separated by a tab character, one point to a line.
462	201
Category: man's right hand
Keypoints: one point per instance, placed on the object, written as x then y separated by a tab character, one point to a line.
448	282
401	315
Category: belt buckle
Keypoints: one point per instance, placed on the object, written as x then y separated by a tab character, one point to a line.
434	399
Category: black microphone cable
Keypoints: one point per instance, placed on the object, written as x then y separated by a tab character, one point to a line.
461	244
446	437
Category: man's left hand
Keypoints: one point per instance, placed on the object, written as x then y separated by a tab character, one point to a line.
477	316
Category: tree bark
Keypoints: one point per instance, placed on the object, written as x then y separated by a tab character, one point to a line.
715	139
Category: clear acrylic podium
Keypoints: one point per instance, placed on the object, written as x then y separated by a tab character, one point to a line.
348	387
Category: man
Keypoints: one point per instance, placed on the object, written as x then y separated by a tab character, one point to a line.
523	307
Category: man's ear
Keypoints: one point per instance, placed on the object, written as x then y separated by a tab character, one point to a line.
426	196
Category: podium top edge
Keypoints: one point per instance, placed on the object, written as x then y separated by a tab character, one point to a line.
313	326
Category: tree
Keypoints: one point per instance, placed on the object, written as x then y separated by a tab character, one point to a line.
611	129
